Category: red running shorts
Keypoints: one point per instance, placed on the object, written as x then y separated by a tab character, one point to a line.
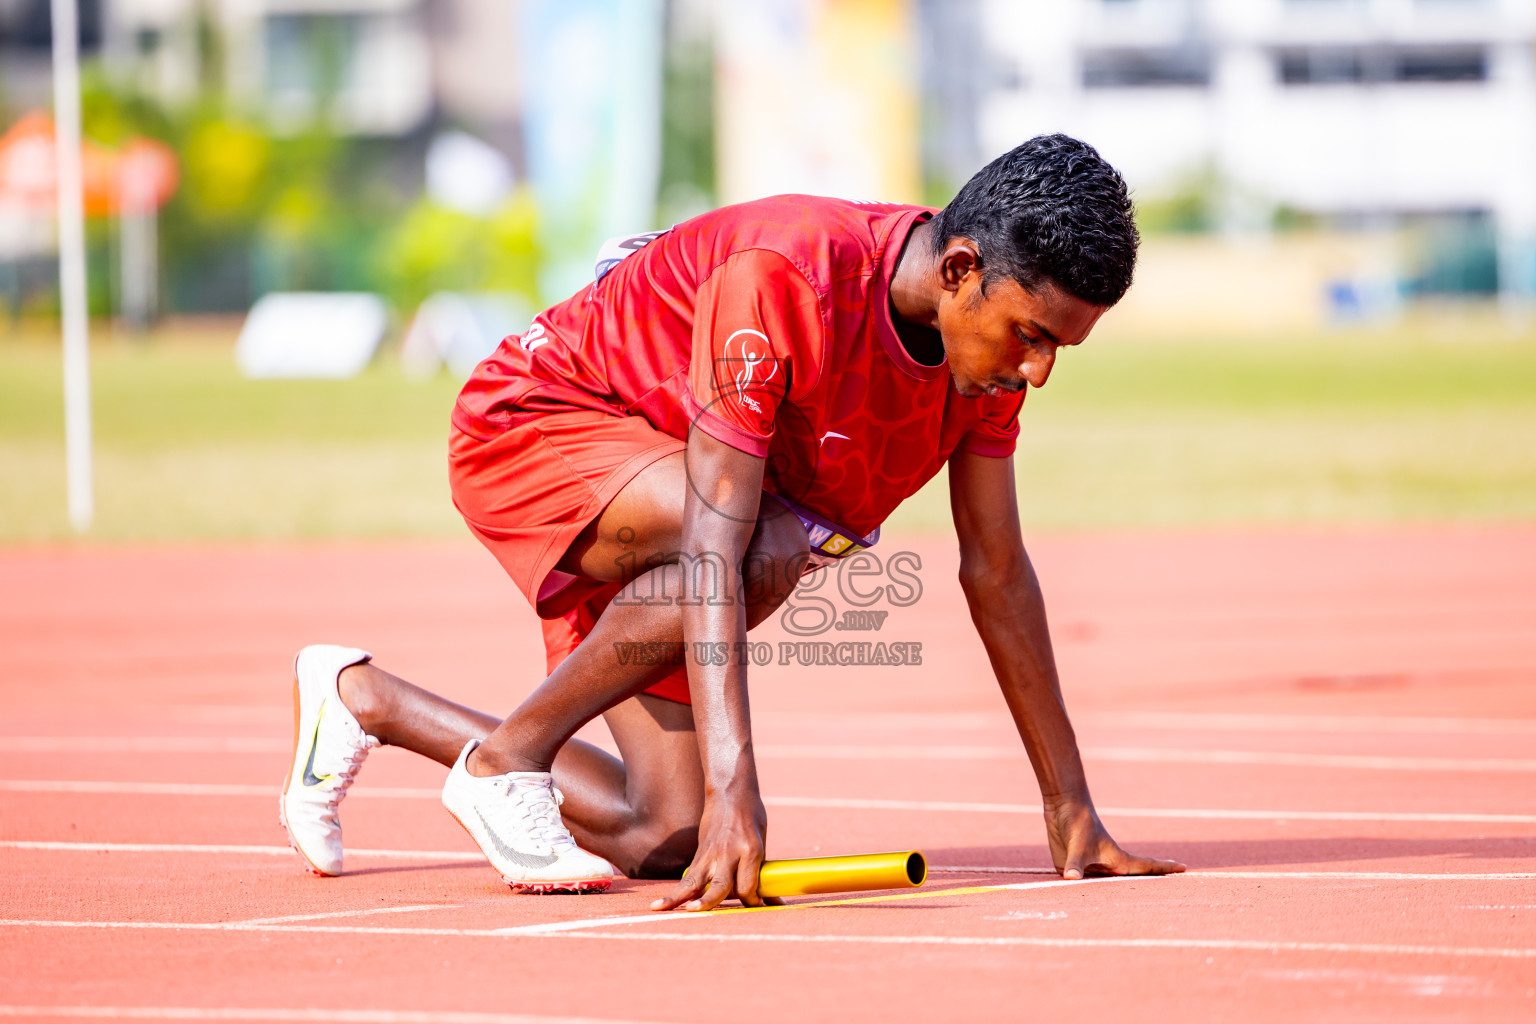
527	494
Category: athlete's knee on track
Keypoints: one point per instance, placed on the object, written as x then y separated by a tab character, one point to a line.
659	844
665	851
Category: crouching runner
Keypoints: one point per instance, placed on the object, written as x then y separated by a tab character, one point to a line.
734	402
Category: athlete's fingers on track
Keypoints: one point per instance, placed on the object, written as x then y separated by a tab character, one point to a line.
1117	862
1149	866
1072	867
689	887
718	890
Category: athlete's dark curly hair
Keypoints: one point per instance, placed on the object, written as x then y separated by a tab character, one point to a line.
1053	210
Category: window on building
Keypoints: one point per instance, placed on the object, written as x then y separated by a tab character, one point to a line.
1331	65
28	25
1133	68
1441	64
1319	65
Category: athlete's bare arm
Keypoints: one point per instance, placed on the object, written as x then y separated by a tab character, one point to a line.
1009	612
719	515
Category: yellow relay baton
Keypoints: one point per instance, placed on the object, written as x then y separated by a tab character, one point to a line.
859	873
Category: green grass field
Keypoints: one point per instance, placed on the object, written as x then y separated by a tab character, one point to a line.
1431	421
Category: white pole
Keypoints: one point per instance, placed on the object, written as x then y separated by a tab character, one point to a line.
72	296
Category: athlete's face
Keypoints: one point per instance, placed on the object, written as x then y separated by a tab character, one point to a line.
1006	339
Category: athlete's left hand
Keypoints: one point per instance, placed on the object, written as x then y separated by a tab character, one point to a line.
732	837
1081	846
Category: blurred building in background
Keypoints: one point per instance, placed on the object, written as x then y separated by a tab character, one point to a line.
1244	116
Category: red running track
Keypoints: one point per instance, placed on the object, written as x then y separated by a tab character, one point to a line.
1336	730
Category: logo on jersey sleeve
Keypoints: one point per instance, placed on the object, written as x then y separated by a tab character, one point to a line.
754	352
749	366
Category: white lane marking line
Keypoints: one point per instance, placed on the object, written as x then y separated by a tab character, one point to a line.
838	803
1257	945
655	917
144	744
369	912
459	855
1148	755
1192	722
1214	721
163	745
1501	906
1165	720
988	870
278	1014
848	751
198	789
265	851
846	803
1387	876
1226	722
1368	762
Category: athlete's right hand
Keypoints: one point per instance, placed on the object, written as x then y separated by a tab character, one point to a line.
729	857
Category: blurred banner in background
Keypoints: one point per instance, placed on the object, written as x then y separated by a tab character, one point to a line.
591	76
817	96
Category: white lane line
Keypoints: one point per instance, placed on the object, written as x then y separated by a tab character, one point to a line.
283	1014
1346	876
1384	949
1235	945
846	803
264	851
460	855
822	802
198	789
1222	722
143	745
1146	755
827	901
846	752
1199	721
1195	721
1500	906
1157	755
958	869
369	912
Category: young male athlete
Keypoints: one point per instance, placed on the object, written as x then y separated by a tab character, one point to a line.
739	400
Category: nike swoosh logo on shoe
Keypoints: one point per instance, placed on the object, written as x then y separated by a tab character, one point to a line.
522	860
310	778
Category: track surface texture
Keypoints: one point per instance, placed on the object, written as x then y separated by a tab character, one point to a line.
1336	730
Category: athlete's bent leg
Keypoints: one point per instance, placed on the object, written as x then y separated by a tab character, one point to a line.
594	678
641	814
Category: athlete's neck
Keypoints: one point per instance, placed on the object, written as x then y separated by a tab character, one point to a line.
915	286
915	299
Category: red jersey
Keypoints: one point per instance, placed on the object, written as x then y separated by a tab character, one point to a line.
768	325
